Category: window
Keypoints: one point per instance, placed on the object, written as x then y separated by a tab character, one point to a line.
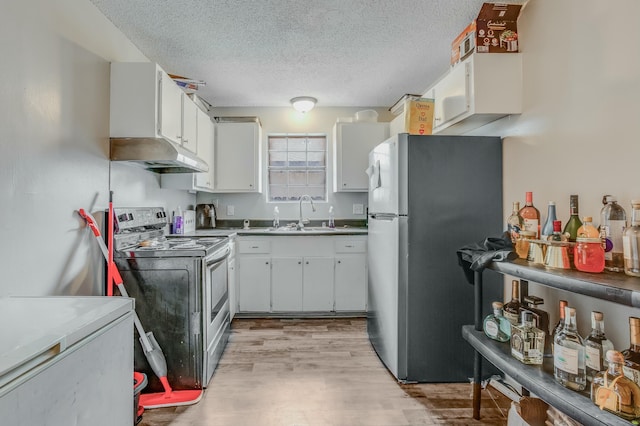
297	166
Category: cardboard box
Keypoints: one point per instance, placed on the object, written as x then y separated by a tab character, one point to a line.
418	116
495	30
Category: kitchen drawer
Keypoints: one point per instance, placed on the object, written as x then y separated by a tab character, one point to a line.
359	246
254	246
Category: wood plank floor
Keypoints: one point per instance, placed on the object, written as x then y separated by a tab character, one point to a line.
319	372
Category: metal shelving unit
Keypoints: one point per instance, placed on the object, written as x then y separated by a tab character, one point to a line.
617	288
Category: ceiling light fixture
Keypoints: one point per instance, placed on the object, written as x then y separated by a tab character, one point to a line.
303	103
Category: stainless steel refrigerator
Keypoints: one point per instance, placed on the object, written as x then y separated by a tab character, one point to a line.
429	196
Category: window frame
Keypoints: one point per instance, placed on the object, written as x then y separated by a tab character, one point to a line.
306	168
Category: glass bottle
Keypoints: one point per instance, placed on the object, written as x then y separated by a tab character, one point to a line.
511	310
530	215
588	255
560	325
613	221
587	230
596	346
613	392
515	222
632	355
496	326
540	319
631	241
547	229
276	217
569	367
557	233
332	220
527	341
571	228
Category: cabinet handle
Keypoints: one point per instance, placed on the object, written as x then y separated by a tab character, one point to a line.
255	247
344	184
299	263
348	246
339	261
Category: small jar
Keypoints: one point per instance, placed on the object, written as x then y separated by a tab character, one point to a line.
588	255
522	243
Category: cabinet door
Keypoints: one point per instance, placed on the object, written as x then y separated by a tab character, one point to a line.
254	284
351	282
451	95
205	150
317	288
170	109
189	124
233	295
353	141
286	284
236	154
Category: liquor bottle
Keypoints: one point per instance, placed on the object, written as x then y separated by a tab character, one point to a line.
515	222
631	241
496	326
511	310
596	346
557	233
613	221
530	215
631	366
613	392
571	228
527	341
540	319
587	230
568	354
560	325
547	229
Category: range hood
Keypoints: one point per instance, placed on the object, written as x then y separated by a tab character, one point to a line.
157	155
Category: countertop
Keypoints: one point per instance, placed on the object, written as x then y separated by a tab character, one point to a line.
282	231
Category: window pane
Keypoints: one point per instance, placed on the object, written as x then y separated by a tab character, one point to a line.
297	144
277	144
317	177
278	159
297	159
277	192
278	177
298	177
317	144
316	159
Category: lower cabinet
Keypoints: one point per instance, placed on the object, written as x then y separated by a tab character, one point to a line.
302	274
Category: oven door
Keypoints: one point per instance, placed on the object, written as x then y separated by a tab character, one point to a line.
216	309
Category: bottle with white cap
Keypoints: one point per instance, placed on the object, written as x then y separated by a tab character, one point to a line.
613	221
276	217
332	223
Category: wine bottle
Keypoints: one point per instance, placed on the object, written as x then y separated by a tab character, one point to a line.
530	215
613	221
547	229
511	310
571	228
631	242
569	368
596	346
515	222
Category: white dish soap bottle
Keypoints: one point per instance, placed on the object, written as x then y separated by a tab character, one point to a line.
332	222
276	217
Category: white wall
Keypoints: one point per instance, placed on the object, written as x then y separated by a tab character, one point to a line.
286	120
580	127
54	116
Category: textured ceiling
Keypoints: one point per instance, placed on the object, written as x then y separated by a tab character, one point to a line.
265	52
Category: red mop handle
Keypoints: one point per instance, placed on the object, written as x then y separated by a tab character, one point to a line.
111	266
90	222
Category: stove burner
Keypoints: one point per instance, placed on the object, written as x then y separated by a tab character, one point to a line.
192	245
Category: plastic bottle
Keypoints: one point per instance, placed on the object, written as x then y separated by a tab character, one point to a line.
332	223
177	222
276	217
613	221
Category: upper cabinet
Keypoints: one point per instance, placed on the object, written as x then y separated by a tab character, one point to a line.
189	131
352	143
482	88
238	156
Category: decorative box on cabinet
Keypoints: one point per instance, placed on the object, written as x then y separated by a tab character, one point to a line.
352	143
238	153
617	288
481	89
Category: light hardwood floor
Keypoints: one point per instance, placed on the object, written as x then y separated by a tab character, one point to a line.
319	372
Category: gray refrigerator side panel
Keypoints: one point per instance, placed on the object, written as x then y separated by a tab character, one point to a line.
455	198
403	296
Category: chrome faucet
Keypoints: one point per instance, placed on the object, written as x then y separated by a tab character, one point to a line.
302	221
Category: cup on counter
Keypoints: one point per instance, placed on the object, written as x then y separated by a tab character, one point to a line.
522	243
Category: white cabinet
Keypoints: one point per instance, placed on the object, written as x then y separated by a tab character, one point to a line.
352	143
350	275
317	284
286	284
145	102
254	275
189	123
237	154
482	88
204	139
232	279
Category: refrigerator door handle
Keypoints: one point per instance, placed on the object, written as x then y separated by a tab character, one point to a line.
383	216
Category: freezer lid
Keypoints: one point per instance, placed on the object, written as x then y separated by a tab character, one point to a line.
38	328
383	177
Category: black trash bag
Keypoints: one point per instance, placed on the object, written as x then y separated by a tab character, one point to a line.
476	256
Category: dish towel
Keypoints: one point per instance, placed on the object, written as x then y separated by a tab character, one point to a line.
476	256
